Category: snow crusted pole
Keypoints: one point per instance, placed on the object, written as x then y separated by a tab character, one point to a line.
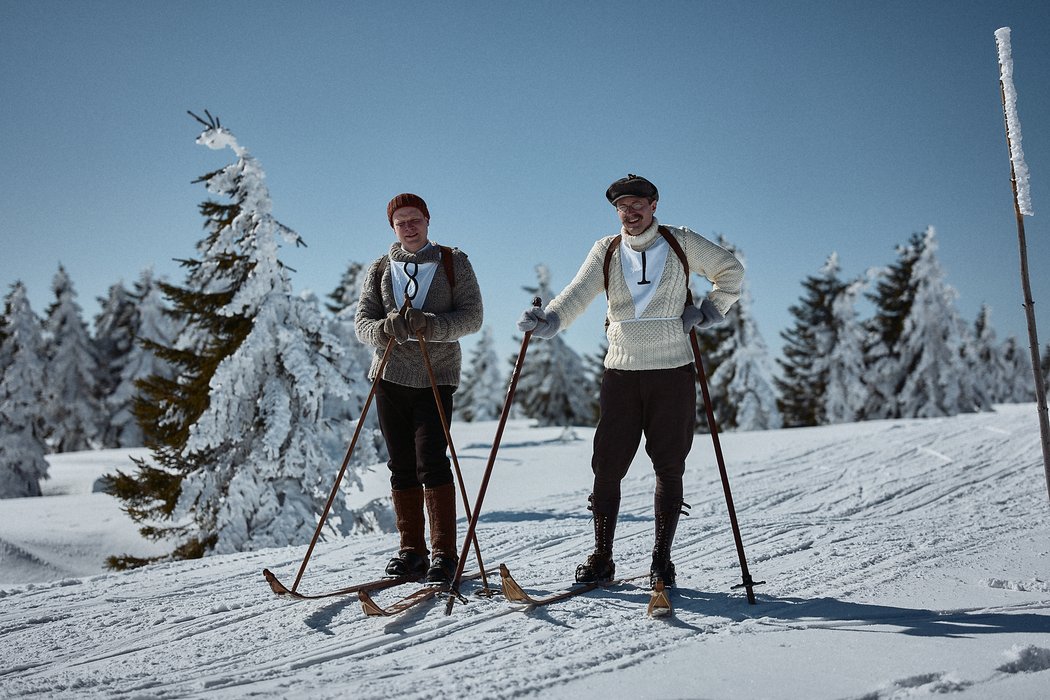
748	584
492	460
1022	208
451	446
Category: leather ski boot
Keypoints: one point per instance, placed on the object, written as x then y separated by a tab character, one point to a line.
411	559
441	510
662	568
599	566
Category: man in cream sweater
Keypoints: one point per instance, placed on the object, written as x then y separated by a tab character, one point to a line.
649	384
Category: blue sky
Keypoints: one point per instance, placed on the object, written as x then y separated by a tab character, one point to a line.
795	129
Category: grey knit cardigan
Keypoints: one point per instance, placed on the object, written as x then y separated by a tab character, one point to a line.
456	312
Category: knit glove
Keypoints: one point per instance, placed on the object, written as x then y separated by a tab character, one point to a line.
703	316
543	324
420	323
396	327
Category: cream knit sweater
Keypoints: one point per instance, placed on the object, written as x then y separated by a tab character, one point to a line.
656	339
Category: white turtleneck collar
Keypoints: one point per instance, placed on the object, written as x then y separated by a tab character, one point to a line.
644	239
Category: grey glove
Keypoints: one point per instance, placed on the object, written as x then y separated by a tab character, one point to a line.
396	327
703	316
420	323
543	324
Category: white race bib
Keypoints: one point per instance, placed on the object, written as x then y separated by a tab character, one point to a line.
411	279
642	271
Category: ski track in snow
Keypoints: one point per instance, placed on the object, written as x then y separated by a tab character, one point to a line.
842	522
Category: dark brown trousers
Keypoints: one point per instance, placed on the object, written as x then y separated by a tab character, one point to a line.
414	437
659	404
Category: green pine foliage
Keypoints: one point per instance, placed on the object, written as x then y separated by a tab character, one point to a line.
805	378
167	407
893	298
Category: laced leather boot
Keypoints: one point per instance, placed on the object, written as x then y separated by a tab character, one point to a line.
411	559
599	566
441	510
662	568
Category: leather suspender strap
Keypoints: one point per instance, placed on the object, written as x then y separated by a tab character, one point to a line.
677	248
608	258
446	260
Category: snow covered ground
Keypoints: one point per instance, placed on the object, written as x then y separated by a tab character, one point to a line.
902	558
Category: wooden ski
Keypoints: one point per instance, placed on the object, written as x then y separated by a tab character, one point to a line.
659	601
377	585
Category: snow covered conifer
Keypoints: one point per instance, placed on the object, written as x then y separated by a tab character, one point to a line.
808	342
237	436
549	385
932	380
150	328
22	448
1016	386
990	372
595	366
893	297
743	378
114	342
343	412
483	388
72	410
845	394
348	292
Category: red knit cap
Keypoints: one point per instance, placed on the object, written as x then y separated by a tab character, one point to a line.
406	199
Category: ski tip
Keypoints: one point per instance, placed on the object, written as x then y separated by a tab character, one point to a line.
511	590
368	605
275	585
659	601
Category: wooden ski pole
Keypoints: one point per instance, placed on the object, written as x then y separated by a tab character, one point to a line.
748	583
1002	37
492	460
346	462
452	451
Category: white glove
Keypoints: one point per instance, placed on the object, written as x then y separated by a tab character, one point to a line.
543	324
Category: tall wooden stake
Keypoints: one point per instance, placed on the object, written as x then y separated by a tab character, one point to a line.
1029	304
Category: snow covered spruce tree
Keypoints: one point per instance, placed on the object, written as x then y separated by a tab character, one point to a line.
892	298
549	385
148	326
743	375
114	342
484	386
343	412
22	447
845	394
921	372
594	364
237	434
72	409
987	356
1016	385
803	388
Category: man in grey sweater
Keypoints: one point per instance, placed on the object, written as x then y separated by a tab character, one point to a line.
446	305
649	384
